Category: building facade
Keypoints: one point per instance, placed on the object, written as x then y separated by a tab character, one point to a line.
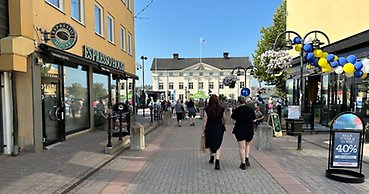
59	61
327	94
180	77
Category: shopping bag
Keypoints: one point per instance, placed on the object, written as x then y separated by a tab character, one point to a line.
202	143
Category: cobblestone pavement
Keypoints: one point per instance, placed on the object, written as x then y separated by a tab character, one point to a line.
172	163
178	166
309	164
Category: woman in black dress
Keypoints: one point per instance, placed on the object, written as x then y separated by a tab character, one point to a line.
243	129
213	128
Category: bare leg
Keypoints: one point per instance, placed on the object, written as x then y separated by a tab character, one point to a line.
247	149
217	154
242	148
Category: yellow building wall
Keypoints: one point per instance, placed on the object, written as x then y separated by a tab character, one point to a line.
46	16
336	18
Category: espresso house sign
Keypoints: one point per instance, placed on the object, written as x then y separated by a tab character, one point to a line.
102	59
63	36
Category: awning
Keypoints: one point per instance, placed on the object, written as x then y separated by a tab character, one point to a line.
62	55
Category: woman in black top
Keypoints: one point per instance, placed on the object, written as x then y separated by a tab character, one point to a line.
214	119
191	111
243	129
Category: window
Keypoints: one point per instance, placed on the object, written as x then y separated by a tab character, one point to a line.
171	85
190	85
77	10
181	96
211	85
180	74
170	96
122	38
242	84
98	19
190	74
201	74
211	73
180	86
161	86
128	3
100	98
122	85
130	86
201	85
160	74
170	74
76	90
110	27
57	3
221	73
221	85
129	43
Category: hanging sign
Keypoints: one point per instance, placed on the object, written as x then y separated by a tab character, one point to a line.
63	36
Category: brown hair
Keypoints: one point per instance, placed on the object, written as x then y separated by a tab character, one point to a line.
212	104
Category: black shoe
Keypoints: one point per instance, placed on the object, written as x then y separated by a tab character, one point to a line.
217	165
243	166
211	161
247	162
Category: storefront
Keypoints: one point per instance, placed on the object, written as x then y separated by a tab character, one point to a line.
59	74
75	90
328	94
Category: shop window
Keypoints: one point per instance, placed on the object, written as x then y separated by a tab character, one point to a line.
57	3
99	20
100	91
289	91
77	116
122	38
110	28
77	10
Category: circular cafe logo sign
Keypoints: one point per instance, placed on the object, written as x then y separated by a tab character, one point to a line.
63	36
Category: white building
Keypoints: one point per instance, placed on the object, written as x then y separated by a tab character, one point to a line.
181	77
